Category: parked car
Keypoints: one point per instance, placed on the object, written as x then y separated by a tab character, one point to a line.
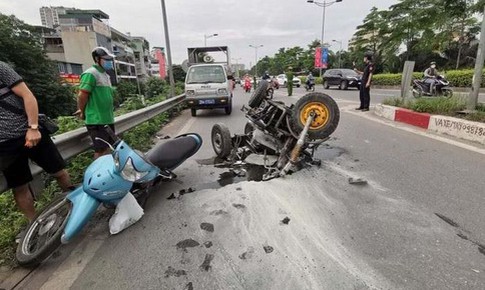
342	78
283	81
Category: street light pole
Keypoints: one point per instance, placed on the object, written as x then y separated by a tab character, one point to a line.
477	76
256	57
209	36
339	53
169	51
324	5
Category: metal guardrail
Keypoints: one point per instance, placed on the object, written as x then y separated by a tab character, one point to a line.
74	142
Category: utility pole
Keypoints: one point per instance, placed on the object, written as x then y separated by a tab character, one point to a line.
169	51
256	57
477	76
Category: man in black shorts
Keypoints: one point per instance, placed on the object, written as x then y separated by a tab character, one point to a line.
22	140
95	100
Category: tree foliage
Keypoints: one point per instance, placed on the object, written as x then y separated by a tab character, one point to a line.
436	30
21	47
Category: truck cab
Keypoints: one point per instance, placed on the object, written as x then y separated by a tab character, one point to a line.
208	86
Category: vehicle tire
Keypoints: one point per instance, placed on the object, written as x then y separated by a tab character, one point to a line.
284	84
193	112
258	95
343	85
328	115
24	255
221	140
447	93
313	88
228	109
270	93
417	92
325	85
298	86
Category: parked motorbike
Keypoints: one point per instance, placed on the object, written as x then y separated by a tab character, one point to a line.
310	85
106	181
441	89
291	133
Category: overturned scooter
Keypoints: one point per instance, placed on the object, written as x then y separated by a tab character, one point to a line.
290	133
106	181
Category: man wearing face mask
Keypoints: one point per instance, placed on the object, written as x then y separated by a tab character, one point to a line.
430	75
95	99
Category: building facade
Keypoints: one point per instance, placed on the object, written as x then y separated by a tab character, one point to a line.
49	16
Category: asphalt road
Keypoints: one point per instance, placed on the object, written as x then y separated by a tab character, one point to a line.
418	224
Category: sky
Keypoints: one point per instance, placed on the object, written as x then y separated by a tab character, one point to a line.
271	23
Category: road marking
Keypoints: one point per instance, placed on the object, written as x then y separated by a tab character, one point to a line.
415	131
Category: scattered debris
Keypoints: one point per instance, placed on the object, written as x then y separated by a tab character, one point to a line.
207	227
176	273
189	286
180	193
356	160
447	220
285	221
239	206
160	137
208	244
218	212
206	265
476	271
238	188
189	243
248	254
268	249
357	181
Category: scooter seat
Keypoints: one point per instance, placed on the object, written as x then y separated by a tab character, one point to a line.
169	155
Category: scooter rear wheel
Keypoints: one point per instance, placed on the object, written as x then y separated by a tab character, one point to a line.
43	235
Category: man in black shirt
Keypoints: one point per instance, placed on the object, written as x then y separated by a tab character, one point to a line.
365	82
22	140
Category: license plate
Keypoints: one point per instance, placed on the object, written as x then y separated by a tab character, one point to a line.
207	102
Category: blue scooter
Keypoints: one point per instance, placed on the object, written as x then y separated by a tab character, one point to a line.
106	181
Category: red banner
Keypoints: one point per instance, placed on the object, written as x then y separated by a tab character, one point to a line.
71	78
318	57
160	56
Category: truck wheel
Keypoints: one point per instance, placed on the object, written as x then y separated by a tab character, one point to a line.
221	140
326	120
193	112
258	95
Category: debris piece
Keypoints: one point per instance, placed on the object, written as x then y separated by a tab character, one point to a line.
206	265
357	181
207	227
208	244
188	243
172	272
268	249
239	206
286	220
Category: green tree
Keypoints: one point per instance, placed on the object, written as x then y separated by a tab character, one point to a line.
155	87
178	73
21	47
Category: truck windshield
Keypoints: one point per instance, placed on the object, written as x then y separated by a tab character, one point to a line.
205	75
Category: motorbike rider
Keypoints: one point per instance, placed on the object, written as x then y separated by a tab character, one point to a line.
266	76
430	76
310	80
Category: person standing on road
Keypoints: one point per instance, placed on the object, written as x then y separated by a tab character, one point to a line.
22	140
95	100
365	82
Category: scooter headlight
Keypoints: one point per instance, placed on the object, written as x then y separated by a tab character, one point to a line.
129	172
116	158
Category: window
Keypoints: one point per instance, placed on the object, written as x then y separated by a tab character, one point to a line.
206	74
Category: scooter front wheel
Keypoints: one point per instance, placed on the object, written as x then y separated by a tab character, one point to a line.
43	235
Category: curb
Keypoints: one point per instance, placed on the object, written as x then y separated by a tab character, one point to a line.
459	128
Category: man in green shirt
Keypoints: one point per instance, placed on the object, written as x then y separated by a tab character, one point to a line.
95	100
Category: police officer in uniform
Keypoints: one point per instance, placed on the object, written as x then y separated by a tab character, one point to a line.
366	82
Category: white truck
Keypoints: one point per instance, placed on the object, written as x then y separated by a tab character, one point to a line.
208	84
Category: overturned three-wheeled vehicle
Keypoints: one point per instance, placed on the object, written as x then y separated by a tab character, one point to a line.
286	136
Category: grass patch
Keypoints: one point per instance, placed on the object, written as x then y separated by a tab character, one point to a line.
439	106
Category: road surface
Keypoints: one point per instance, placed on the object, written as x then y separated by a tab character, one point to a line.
418	224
